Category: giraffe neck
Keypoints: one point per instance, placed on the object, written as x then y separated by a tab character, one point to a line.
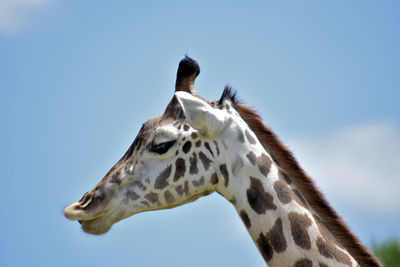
285	229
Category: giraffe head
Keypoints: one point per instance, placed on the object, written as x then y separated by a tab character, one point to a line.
174	160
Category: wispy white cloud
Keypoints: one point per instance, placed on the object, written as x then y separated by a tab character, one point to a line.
15	14
358	165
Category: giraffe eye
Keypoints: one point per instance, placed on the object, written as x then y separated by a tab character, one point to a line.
161	148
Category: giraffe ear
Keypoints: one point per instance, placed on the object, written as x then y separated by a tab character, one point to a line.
200	115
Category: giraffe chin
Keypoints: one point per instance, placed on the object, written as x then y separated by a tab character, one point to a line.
95	227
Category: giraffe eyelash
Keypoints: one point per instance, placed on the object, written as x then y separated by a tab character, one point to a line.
162	148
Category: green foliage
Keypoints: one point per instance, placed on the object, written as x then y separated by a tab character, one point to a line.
388	253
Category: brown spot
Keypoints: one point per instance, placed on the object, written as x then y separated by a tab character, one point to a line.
186	147
298	225
225	174
115	179
283	176
216	147
323	265
198	143
179	190
194	135
214	178
237	165
240	136
141	186
264	164
161	181
131	195
265	247
325	232
276	237
282	191
299	198
258	198
330	251
186	127
252	157
304	262
186	187
245	218
193	164
152	197
249	137
144	202
199	182
180	169
179	127
169	198
206	161
207	145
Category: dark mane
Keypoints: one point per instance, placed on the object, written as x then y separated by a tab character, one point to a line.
285	159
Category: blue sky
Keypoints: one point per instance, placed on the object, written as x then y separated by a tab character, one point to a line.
77	79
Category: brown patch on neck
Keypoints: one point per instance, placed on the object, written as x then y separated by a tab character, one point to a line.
284	158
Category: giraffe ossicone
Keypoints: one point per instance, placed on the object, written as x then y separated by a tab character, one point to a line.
198	147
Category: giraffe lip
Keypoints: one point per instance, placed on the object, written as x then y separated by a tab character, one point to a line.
84	221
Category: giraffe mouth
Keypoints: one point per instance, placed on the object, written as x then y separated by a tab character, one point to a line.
93	223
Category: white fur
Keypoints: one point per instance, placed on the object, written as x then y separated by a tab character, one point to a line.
200	115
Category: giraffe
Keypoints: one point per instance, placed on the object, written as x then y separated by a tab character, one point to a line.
197	147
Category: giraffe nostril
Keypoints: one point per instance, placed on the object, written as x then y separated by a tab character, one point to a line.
83	197
85	200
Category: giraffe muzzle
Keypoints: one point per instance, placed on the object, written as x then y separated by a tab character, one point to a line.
89	207
91	223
